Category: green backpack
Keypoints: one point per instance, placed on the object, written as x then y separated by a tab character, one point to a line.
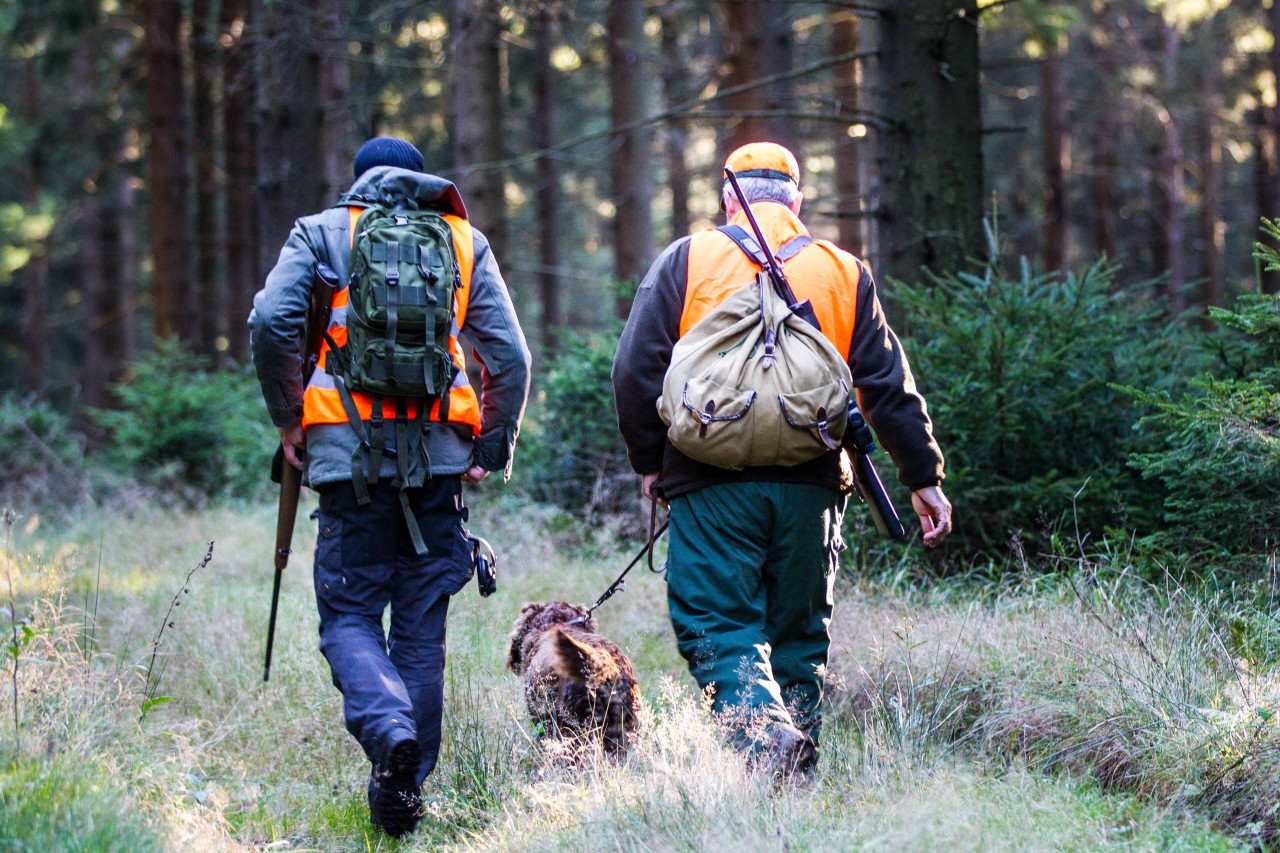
402	282
403	278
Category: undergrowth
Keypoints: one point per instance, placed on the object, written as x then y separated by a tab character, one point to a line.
1151	688
971	715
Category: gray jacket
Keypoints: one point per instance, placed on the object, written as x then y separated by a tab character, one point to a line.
280	310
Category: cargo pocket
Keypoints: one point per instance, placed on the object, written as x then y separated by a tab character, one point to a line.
336	587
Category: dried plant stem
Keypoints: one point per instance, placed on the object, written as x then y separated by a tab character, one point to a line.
151	679
11	518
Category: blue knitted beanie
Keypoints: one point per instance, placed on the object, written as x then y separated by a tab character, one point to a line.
387	151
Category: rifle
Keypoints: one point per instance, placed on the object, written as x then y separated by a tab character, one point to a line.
865	478
290	478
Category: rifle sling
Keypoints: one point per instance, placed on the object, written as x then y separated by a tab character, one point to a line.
753	250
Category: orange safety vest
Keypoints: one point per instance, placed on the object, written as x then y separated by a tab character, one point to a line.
321	403
822	273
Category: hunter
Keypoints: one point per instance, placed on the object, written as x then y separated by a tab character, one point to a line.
753	552
390	470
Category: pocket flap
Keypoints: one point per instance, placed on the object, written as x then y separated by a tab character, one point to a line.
711	402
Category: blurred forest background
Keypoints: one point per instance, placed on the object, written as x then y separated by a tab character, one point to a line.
1053	196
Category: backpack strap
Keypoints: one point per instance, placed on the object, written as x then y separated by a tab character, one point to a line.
752	250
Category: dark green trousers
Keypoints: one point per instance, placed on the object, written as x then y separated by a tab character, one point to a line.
750	572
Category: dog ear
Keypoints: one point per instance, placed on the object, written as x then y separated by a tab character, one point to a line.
579	661
524	624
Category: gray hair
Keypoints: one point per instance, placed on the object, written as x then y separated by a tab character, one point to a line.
763	189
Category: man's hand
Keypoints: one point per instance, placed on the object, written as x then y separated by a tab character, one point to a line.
935	513
294	442
651	485
475	474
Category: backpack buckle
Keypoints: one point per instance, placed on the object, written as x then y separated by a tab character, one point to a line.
386	451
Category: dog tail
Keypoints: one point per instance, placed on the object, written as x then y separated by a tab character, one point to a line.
575	660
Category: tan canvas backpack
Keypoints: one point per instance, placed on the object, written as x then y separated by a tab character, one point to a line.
752	383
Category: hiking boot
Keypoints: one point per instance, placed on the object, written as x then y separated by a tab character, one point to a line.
395	804
788	754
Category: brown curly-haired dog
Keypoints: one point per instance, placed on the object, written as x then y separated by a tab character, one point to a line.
576	682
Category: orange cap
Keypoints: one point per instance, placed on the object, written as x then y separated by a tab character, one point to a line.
764	160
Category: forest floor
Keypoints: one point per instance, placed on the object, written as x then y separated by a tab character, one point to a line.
1026	717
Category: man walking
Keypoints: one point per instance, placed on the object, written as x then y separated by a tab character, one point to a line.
752	558
390	476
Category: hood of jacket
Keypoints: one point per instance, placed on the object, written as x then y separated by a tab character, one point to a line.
389	186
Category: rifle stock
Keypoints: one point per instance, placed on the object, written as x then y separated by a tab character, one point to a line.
867	480
322	291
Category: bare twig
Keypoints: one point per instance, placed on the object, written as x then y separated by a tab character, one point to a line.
151	684
15	645
678	110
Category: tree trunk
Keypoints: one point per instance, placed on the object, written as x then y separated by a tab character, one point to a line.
546	134
477	107
289	163
34	276
848	137
1212	229
1268	156
1273	21
94	234
335	92
168	181
929	158
129	270
675	134
1106	204
777	50
240	216
1169	184
745	57
208	303
632	223
1055	156
1266	165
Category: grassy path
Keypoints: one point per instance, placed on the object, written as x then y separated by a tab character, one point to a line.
225	762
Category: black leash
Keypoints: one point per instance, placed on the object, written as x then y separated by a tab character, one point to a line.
620	584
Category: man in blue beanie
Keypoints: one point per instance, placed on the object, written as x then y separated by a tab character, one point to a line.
391	528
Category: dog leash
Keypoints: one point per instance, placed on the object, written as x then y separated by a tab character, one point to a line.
619	584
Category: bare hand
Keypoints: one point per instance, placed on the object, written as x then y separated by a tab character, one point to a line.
475	474
651	485
294	442
935	513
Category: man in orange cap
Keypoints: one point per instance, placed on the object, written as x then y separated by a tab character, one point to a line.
753	552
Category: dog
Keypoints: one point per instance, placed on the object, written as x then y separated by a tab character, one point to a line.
577	684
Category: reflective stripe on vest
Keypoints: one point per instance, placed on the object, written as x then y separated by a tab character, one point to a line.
821	273
321	403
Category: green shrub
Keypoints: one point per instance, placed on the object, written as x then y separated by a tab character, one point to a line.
41	455
1021	374
573	454
1218	454
1220	464
186	428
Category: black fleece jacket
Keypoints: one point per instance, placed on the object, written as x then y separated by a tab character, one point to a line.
886	390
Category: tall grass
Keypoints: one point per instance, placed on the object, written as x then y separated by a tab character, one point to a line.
950	732
81	773
1148	688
